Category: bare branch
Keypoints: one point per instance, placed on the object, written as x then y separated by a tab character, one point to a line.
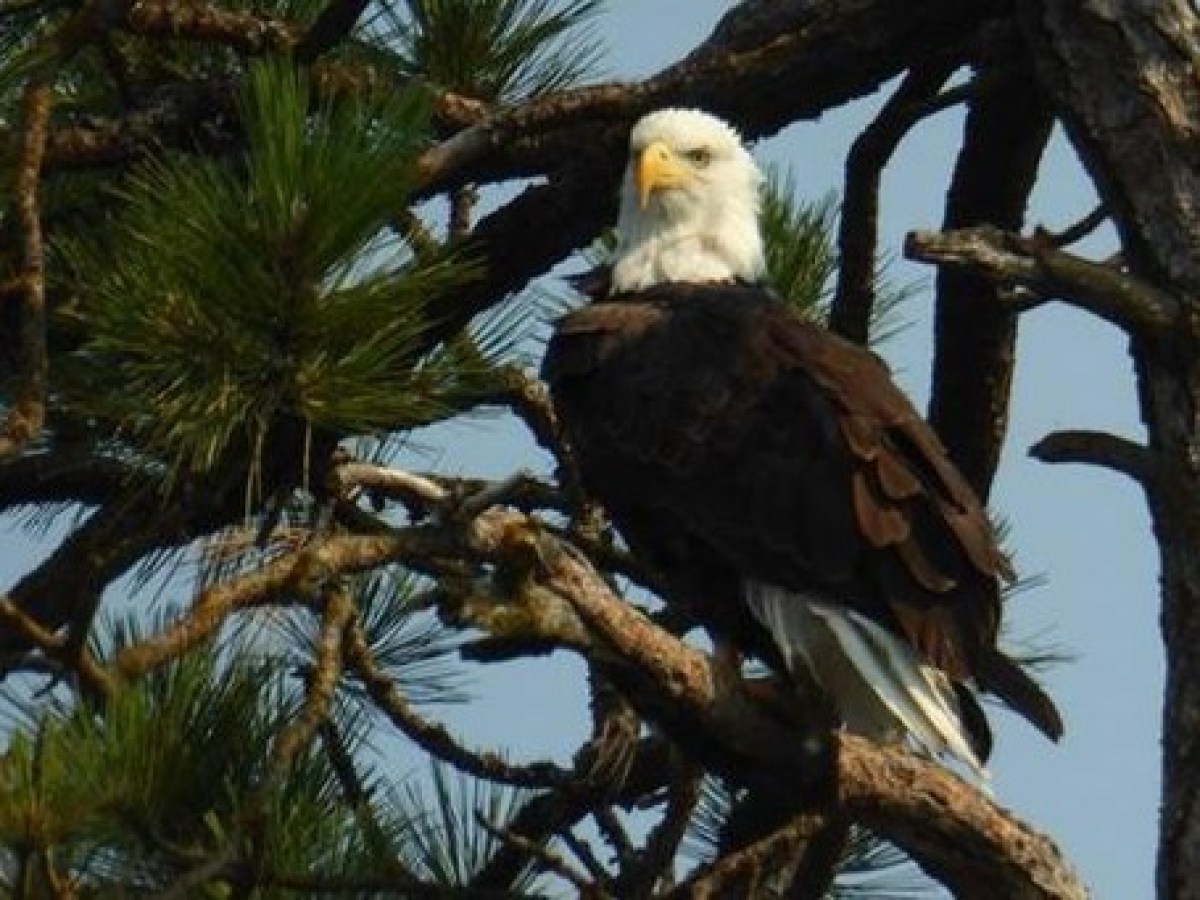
433	737
547	860
1113	295
850	314
395	483
1076	231
753	870
975	334
1097	448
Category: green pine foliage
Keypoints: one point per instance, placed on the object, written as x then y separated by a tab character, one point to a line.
458	833
230	295
160	779
415	650
492	50
798	238
801	249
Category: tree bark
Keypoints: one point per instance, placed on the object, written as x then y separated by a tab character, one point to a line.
975	335
1123	74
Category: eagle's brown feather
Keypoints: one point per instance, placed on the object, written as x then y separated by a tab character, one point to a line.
730	439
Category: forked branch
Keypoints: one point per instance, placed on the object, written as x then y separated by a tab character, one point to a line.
1049	273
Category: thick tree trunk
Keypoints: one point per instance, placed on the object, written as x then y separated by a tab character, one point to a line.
1124	76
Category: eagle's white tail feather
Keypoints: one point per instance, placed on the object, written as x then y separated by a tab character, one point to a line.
881	687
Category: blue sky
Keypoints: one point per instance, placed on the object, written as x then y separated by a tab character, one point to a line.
1084	529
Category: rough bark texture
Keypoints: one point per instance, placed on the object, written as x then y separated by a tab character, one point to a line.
1123	75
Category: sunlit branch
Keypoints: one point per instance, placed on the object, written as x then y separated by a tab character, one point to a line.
321	681
94	676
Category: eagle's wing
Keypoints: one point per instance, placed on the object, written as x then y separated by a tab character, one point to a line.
791	455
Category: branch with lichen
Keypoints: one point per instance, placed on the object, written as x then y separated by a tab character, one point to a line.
322	679
952	829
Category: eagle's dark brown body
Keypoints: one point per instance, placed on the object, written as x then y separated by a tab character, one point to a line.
732	441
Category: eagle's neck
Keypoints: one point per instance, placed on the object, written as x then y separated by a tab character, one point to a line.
654	250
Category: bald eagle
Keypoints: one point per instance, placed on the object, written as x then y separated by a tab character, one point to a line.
788	493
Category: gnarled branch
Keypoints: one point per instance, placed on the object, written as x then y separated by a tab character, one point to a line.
1112	294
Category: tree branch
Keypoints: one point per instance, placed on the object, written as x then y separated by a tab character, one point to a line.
975	335
950	828
433	736
1113	295
321	680
27	414
1097	448
858	230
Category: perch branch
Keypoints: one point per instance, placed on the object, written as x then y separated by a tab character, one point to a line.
949	827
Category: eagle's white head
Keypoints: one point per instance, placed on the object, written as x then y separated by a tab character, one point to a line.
689	204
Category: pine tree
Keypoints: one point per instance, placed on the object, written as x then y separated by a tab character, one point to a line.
236	284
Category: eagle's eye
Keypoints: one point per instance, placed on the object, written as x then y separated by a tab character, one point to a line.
699	156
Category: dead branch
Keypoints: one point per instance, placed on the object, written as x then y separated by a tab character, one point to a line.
975	334
433	737
854	297
1113	295
1097	448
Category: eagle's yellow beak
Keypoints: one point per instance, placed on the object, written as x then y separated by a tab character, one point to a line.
657	167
